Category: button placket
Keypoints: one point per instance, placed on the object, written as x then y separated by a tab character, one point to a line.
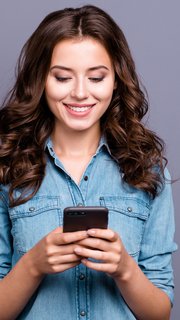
82	289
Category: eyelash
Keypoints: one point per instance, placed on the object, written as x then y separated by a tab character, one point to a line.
61	79
97	79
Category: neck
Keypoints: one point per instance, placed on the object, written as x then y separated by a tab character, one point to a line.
76	143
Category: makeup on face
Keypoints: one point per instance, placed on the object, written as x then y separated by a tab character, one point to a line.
80	83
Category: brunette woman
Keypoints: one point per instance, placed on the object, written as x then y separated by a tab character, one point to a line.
72	134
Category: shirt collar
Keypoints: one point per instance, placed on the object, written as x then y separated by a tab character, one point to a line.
102	145
49	146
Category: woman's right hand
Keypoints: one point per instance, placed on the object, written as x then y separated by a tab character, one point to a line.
55	252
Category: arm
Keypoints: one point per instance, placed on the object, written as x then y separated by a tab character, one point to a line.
145	300
155	257
143	285
16	285
16	288
54	253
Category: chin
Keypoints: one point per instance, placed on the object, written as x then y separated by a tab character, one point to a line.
80	128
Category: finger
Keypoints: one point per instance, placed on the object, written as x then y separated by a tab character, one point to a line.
103	267
68	258
58	230
62	267
95	243
103	244
94	254
69	237
56	251
107	234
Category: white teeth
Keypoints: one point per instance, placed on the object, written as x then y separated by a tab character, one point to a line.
79	109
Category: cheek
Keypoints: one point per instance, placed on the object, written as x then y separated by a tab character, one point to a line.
56	92
104	95
105	90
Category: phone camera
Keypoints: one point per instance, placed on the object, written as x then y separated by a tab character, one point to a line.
70	213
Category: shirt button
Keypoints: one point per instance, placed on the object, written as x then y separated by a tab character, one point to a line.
85	178
129	209
83	313
82	276
31	209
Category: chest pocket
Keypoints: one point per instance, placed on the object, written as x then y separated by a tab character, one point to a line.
127	216
33	220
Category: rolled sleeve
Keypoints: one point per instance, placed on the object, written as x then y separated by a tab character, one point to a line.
155	257
5	238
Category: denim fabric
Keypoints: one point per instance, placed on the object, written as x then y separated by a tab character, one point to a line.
145	226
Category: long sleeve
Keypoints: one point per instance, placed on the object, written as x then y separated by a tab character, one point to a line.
157	243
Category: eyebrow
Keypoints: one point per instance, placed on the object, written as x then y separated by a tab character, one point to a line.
69	69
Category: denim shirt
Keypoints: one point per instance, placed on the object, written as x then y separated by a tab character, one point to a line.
145	226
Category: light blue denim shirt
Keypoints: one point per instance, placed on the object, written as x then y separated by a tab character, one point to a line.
145	226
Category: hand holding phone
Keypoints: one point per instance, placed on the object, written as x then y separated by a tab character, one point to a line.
84	218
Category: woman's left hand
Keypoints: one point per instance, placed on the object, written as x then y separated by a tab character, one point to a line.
105	246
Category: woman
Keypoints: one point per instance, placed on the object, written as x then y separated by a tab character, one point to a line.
71	134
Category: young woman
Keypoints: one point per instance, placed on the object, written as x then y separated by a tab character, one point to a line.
71	134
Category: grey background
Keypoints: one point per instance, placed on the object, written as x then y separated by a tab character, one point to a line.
152	29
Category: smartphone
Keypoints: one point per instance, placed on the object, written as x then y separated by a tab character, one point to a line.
84	218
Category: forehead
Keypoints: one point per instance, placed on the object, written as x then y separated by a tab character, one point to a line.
83	50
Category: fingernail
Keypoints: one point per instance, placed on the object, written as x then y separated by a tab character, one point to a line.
77	250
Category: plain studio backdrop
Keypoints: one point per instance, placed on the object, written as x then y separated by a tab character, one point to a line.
152	29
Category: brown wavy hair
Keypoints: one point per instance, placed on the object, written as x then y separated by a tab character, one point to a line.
27	122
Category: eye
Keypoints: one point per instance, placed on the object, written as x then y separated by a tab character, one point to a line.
96	79
62	79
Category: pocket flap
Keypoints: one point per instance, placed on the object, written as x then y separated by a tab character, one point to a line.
34	206
133	207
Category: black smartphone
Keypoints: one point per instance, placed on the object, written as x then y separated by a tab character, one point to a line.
84	218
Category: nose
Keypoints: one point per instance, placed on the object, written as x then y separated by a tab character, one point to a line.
79	90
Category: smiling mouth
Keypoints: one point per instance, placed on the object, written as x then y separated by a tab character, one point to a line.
79	108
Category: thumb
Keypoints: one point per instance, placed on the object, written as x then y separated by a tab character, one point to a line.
58	230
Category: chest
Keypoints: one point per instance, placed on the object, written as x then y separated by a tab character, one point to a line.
128	211
76	166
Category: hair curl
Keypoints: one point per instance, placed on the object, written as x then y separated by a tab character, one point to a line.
27	122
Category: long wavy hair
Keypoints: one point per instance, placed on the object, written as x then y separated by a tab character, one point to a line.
27	122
